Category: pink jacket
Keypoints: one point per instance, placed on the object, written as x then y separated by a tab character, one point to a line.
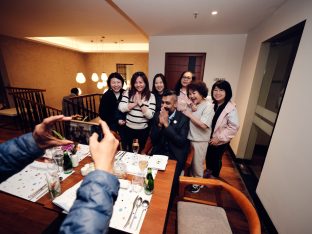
227	124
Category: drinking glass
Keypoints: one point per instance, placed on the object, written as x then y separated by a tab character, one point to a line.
143	162
120	169
135	148
137	183
53	180
58	157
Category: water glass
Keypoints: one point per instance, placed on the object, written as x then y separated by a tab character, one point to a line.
137	183
120	169
58	157
135	148
53	180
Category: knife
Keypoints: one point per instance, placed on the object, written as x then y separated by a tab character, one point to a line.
134	202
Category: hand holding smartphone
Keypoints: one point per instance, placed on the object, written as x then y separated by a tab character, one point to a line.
79	131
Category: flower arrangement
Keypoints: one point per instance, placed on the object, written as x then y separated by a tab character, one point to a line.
70	147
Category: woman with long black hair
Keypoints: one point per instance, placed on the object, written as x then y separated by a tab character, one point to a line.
139	104
159	86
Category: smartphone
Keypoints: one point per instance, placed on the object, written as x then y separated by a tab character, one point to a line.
79	131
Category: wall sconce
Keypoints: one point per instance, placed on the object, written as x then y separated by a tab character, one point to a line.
80	78
95	77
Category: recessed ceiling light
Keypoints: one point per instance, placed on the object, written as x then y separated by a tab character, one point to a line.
195	14
214	12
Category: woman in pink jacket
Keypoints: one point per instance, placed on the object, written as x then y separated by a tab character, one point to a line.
224	126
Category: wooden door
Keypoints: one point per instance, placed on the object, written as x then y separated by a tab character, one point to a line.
176	63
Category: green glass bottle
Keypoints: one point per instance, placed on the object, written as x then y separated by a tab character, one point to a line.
149	182
68	165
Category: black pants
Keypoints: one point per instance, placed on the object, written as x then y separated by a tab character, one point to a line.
130	134
214	158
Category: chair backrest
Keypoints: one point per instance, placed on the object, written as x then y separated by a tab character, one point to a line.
240	198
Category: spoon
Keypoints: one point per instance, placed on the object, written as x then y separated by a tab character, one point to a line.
145	205
137	205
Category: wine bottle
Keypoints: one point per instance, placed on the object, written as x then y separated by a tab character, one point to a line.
68	165
149	182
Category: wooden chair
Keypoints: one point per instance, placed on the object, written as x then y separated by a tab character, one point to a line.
202	216
148	149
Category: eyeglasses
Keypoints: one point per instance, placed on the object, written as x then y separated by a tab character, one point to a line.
186	78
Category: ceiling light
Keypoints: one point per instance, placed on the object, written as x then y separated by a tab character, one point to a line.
100	85
214	12
95	77
104	77
80	78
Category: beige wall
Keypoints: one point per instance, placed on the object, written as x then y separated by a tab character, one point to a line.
284	187
224	55
35	65
100	62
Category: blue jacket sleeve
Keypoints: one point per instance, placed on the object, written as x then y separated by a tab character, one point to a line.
93	208
16	154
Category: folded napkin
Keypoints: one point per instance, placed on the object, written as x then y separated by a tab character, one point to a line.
158	162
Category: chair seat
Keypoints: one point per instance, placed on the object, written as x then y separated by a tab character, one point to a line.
200	218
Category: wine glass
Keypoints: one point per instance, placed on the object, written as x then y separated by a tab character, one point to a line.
143	162
135	148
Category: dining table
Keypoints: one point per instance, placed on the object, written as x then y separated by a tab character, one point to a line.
18	215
